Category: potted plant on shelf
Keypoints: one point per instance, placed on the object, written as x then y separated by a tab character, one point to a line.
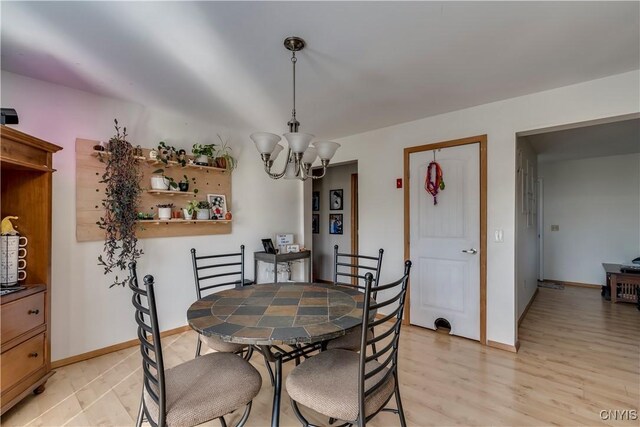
164	210
190	209
204	210
183	185
224	159
202	153
122	177
159	181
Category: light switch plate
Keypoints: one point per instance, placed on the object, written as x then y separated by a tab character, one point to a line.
498	236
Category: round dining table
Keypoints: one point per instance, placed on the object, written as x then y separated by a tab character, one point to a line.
300	316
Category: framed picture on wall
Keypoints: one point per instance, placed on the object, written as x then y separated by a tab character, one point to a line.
315	223
218	205
315	201
335	223
335	200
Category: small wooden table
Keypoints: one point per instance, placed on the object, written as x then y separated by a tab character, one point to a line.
275	259
303	315
628	283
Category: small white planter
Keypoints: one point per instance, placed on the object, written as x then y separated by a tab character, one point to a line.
204	214
159	182
164	213
186	215
203	160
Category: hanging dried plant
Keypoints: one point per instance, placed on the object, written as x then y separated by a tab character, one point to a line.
122	196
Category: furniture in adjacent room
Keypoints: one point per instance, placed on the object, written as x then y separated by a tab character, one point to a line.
194	392
624	286
26	165
276	259
271	316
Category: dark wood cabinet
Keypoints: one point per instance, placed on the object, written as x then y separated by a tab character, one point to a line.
25	316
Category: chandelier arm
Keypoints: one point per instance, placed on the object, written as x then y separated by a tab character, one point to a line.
325	164
267	167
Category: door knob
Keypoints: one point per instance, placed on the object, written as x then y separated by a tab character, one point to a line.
470	251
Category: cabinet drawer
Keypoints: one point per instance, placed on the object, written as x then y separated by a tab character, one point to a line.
21	360
21	316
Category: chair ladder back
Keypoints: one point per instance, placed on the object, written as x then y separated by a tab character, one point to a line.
151	350
215	271
351	269
376	358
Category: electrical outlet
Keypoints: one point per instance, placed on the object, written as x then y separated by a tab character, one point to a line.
555	228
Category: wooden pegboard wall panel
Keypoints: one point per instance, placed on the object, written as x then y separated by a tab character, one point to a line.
90	192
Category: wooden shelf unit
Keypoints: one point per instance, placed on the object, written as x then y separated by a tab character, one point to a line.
171	193
26	168
90	192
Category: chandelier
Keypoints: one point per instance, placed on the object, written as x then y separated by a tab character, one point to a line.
301	152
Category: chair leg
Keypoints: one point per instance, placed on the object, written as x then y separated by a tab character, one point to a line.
245	416
269	370
223	423
140	411
403	422
198	346
248	354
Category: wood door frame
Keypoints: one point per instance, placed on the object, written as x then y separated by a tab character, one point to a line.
354	223
482	141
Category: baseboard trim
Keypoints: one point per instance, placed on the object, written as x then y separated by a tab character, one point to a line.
503	346
526	309
110	349
574	284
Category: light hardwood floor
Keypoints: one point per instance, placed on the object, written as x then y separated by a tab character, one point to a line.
578	355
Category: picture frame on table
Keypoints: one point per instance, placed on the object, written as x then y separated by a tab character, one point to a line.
267	244
335	223
335	199
315	223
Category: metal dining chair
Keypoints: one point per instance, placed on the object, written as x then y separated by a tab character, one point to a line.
216	271
350	270
202	389
354	387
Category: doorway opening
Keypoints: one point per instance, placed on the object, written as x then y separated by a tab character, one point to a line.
577	207
440	283
334	201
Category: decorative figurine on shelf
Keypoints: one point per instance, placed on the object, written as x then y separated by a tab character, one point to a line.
7	226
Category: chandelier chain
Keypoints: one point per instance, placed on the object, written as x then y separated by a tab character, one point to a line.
293	61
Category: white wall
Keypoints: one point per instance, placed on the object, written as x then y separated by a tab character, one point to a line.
337	177
380	162
86	314
526	232
596	204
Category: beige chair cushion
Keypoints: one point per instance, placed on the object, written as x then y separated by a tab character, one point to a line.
217	344
328	384
206	388
349	341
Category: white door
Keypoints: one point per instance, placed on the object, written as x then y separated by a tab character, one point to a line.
445	241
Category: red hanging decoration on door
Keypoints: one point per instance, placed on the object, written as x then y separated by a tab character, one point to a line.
434	183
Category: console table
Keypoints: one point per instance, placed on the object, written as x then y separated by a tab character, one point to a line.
628	283
275	259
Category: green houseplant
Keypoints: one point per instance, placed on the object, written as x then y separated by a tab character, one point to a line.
204	210
190	209
224	159
122	196
159	181
202	153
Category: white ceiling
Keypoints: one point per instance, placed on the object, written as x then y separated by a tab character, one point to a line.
367	65
601	140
